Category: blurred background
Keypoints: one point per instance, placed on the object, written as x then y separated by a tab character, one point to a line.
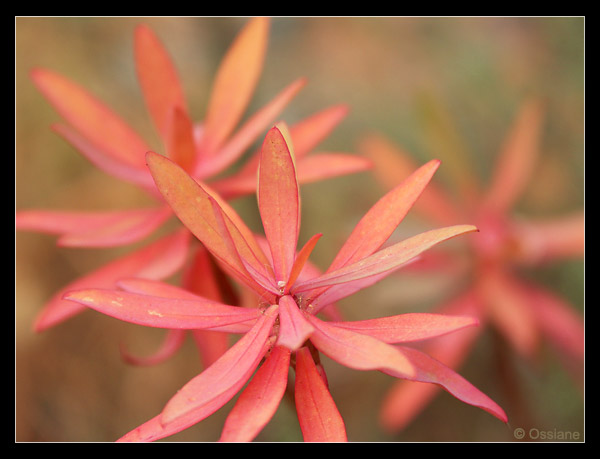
70	382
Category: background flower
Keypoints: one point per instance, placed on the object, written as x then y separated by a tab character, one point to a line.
480	67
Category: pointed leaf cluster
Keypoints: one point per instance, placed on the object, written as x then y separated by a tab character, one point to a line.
283	329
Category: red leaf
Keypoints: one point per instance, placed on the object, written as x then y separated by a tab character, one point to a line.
116	167
155	261
172	342
409	327
294	329
96	122
234	83
279	201
356	350
320	420
216	385
245	135
300	261
158	79
384	260
382	219
517	158
192	204
259	400
161	312
431	371
179	140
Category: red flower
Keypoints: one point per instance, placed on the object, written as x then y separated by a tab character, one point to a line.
521	311
203	149
284	329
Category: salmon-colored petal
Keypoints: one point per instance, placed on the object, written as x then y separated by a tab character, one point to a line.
216	385
382	219
320	166
356	350
300	261
211	389
179	139
154	311
94	121
212	344
406	399
234	83
192	204
558	320
552	239
259	272
259	400
391	165
158	79
124	228
517	158
248	133
432	371
279	201
155	261
305	134
105	162
171	344
384	260
409	327
320	420
294	328
508	308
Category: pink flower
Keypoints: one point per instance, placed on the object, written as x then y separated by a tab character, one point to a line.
203	149
521	311
284	330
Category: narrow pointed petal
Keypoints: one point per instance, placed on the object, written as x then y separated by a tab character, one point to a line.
321	166
248	133
192	204
154	311
216	385
126	227
171	344
155	261
234	83
255	263
409	327
96	122
279	201
158	78
391	165
432	371
558	320
406	399
320	420
294	328
113	166
386	259
301	259
179	139
508	308
258	402
309	132
553	239
213	344
382	219
517	158
356	350
305	134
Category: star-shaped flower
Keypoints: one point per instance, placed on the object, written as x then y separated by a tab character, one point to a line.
284	329
521	311
204	149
